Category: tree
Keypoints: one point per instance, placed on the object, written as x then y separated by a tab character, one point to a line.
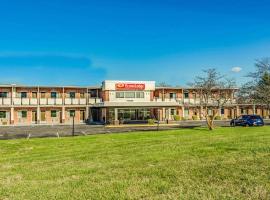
163	84
262	91
257	90
215	91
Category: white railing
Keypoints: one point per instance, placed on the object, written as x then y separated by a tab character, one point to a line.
170	100
186	100
51	101
94	100
82	101
158	99
191	101
17	101
5	101
59	101
33	101
75	101
25	101
43	101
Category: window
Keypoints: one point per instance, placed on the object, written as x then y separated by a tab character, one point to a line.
186	96
72	113
222	111
53	113
140	95
93	93
53	95
3	94
82	95
173	111
72	95
172	95
120	95
43	95
23	114
34	95
23	94
3	114
130	95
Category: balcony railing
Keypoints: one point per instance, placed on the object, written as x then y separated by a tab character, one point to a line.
25	101
51	101
75	101
5	101
94	100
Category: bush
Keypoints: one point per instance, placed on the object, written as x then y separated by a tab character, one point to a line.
151	121
218	118
184	118
177	117
195	117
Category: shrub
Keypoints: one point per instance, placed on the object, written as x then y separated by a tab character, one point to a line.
151	121
177	117
195	117
218	118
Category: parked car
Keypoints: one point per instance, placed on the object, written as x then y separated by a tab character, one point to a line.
247	120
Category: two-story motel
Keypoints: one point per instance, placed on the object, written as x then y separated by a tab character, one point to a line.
111	103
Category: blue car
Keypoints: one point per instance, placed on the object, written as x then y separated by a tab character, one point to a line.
247	120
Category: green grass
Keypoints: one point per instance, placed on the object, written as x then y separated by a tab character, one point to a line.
227	163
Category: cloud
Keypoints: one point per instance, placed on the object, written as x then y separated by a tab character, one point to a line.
236	69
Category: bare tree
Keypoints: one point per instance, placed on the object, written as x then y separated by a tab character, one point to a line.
163	84
257	90
215	91
262	91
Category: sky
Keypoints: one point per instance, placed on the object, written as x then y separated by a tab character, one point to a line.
83	42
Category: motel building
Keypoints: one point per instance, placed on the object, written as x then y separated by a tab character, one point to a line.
114	102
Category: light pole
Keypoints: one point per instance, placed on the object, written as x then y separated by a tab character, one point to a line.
158	120
73	128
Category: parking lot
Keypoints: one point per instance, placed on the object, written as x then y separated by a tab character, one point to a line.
12	132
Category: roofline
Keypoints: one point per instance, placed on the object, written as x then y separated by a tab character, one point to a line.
50	86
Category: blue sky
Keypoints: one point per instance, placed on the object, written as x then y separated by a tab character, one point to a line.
82	42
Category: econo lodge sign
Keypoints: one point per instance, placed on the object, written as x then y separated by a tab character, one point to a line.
129	86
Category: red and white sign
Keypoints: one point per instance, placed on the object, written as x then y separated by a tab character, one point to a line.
129	86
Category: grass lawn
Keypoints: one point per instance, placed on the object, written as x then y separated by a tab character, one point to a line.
227	163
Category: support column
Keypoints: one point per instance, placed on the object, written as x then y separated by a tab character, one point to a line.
63	107
159	114
183	111
237	111
163	114
38	106
254	109
201	112
63	115
87	113
116	121
169	114
87	106
12	108
12	115
38	114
